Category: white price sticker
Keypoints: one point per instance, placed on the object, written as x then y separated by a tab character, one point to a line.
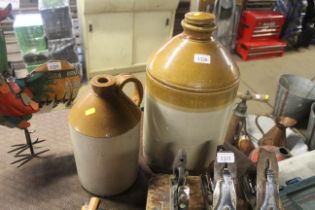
54	66
225	157
202	58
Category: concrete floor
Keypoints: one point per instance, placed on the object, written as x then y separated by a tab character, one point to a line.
51	182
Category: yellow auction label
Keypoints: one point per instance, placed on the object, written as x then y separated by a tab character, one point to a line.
90	111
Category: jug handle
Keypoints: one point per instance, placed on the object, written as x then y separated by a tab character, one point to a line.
123	79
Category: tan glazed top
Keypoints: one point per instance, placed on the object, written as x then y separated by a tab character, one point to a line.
106	111
177	63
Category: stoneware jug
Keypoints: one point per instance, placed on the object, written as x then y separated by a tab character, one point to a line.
191	83
105	132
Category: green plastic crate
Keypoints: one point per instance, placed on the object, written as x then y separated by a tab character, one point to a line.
52	4
30	33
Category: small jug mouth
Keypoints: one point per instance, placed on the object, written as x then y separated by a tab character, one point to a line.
102	80
102	84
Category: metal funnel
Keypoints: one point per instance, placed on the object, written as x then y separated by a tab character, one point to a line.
295	95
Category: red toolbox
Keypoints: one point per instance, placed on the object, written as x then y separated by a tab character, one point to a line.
258	34
260	49
260	25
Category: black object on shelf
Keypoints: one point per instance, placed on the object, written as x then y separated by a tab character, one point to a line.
294	11
57	23
308	31
182	9
63	49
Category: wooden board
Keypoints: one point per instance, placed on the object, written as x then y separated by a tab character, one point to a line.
159	193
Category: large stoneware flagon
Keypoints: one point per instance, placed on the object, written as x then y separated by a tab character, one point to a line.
191	84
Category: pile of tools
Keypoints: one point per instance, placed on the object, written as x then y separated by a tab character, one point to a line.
230	182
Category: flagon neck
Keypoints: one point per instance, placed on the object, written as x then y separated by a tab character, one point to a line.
199	25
